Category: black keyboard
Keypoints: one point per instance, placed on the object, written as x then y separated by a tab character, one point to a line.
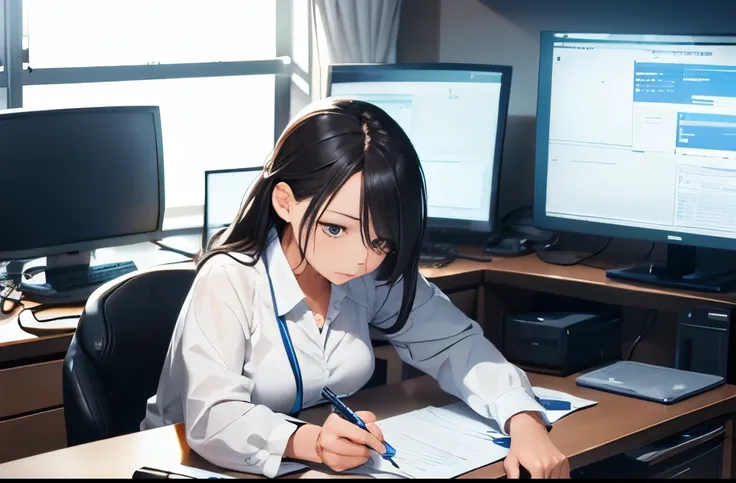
69	278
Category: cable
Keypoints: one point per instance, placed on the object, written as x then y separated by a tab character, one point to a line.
27	274
643	333
41	308
649	253
174	250
8	304
577	261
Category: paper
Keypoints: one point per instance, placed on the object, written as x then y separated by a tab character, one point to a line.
429	447
448	441
576	402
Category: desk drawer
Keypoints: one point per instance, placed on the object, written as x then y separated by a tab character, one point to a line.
32	435
34	387
701	456
707	464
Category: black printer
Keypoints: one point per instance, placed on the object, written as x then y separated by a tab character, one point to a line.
561	343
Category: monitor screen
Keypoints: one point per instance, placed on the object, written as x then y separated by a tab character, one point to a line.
637	137
79	178
225	190
455	117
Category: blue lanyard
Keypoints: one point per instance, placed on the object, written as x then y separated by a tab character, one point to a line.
289	347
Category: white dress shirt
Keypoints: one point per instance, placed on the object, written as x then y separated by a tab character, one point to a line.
228	378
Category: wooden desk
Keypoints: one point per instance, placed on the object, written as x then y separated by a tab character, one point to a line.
616	424
31	413
579	281
525	273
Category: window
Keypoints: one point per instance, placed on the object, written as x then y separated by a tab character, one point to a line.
219	71
3	74
84	33
217	122
301	55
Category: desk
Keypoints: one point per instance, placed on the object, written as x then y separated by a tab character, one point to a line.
31	412
614	425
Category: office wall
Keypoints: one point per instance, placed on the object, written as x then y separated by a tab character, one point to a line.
419	31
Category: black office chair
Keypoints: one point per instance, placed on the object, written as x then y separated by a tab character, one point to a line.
115	358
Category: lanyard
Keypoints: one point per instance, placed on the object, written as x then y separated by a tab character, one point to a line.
289	347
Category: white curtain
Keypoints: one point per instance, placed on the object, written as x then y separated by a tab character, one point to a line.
360	31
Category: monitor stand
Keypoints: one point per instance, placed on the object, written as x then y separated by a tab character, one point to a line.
679	272
69	278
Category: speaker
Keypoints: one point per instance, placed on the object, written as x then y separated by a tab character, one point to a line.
705	342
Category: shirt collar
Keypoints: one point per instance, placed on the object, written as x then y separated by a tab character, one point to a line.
286	289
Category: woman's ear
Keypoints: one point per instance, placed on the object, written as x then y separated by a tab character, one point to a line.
283	201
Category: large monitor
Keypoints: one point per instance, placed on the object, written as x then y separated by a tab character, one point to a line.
225	190
636	138
455	116
75	180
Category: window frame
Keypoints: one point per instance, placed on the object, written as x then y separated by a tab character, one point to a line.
13	76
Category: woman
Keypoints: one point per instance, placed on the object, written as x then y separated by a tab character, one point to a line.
327	244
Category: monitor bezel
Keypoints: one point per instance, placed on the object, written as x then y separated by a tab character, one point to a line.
106	242
207	174
448	227
541	164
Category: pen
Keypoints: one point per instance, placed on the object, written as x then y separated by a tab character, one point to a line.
554	404
146	473
502	441
349	415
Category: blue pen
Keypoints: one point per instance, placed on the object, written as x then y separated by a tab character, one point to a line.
349	415
554	404
548	404
502	441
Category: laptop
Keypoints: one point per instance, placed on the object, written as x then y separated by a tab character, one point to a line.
224	192
646	381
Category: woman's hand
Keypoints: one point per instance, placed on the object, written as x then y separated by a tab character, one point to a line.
341	445
337	443
532	448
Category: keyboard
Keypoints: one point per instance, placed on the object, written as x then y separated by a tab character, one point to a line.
69	278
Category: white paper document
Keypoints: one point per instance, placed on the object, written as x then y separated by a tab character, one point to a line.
448	441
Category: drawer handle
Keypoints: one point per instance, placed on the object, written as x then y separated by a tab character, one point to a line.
684	442
680	473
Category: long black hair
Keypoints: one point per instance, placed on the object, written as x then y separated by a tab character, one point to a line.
316	154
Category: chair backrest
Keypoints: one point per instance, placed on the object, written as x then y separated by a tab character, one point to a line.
115	358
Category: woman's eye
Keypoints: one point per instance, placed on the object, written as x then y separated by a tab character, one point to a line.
333	230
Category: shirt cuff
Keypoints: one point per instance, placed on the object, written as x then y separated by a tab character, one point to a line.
275	446
517	401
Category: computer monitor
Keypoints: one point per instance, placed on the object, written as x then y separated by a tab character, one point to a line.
74	180
224	193
455	116
636	138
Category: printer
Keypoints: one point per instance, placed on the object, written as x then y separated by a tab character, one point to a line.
561	343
